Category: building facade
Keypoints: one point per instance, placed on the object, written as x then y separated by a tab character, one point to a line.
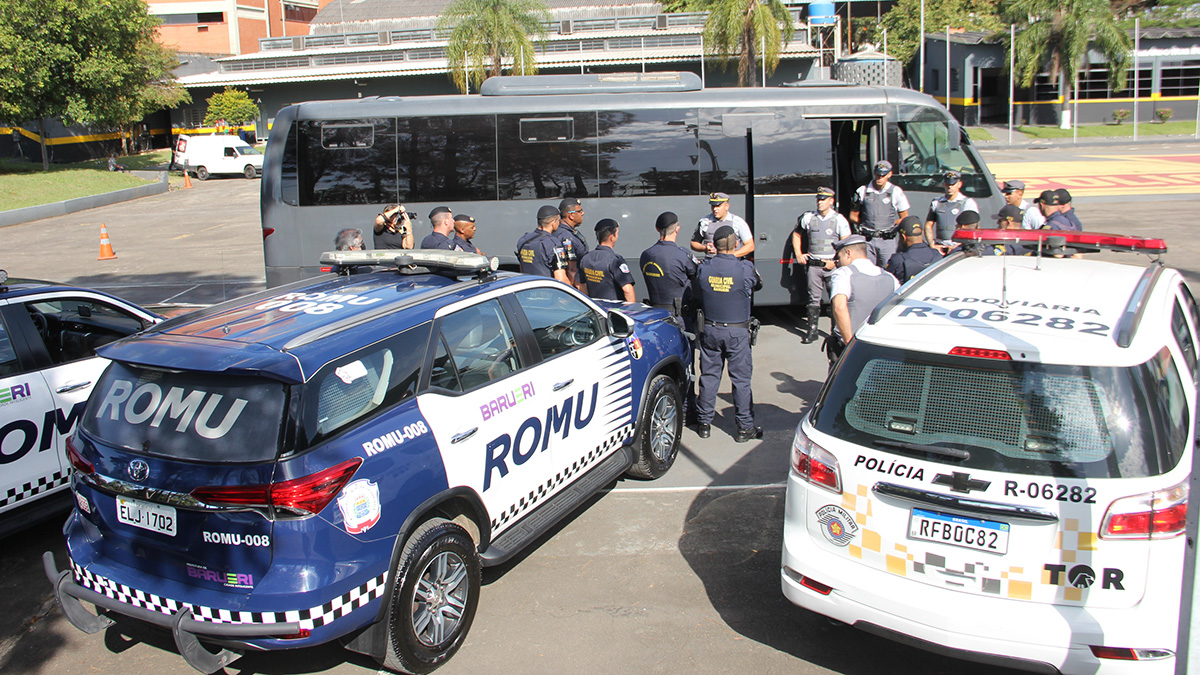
230	27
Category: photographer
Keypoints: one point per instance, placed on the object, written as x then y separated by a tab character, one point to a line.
393	228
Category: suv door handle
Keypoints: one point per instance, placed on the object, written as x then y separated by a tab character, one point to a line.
74	386
458	438
563	385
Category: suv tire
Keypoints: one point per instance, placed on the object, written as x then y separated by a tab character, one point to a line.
661	427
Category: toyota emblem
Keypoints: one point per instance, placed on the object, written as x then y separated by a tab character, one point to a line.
139	470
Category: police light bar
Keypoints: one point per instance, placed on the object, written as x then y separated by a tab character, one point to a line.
1096	240
460	262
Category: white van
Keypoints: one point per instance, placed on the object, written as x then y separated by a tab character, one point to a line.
206	155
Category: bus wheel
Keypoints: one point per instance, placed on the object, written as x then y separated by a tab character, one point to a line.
249	172
436	591
201	173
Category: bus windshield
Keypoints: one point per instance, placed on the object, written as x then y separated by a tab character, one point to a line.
926	153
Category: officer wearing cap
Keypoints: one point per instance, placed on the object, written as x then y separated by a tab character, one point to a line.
464	231
1014	195
916	256
723	288
1051	207
822	228
877	210
943	212
443	227
667	269
702	238
539	252
1009	218
602	272
859	285
1068	211
574	245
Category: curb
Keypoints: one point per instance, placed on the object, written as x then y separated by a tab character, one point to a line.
30	213
1046	143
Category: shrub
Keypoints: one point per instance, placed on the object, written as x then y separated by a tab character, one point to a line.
1121	115
1163	114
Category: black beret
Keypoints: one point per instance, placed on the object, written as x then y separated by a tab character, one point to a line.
665	219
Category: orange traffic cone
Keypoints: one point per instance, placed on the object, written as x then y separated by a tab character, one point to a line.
106	250
187	180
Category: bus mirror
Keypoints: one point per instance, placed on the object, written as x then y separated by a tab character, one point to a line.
954	135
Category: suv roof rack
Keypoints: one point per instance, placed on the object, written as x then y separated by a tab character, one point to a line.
1085	241
456	262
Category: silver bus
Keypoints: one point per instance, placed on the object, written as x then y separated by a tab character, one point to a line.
629	146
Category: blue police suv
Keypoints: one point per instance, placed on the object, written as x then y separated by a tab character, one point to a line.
337	458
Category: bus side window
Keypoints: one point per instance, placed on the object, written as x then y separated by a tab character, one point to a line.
450	158
290	192
347	161
547	156
648	153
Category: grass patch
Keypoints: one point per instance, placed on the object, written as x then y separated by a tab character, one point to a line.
979	134
24	184
1145	128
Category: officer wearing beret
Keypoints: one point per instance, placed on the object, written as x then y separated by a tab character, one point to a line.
822	227
574	244
443	229
602	272
702	238
539	252
916	256
940	223
723	288
464	231
667	269
859	285
877	209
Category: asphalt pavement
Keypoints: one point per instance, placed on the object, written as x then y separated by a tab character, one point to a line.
670	576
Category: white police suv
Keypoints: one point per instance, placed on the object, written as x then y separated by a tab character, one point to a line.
336	459
48	339
997	469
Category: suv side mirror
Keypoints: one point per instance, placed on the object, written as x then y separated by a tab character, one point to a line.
621	325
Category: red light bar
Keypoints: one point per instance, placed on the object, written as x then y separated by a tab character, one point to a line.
977	353
1112	242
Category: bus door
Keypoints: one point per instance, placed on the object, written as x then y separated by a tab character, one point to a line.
787	157
857	144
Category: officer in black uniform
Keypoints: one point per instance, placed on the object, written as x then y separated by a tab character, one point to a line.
574	244
602	272
667	268
917	255
723	288
443	229
539	252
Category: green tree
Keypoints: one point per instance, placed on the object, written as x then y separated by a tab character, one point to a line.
1053	36
485	32
739	29
232	106
903	22
86	61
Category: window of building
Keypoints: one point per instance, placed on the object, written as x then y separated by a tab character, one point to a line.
296	13
1093	83
201	17
1180	78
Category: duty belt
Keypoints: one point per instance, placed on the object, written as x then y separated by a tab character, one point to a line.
739	324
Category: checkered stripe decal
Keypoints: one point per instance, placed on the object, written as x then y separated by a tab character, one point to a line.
313	617
535	496
31	489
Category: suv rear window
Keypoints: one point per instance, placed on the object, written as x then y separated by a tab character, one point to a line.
1016	417
187	415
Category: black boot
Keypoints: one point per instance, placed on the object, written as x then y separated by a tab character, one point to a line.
814	315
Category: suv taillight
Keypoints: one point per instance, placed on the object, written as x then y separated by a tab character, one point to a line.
302	496
1153	515
815	464
76	460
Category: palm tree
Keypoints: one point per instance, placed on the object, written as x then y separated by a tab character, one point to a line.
739	28
485	32
1054	35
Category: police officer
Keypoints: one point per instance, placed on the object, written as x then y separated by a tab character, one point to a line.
539	252
702	238
443	228
916	256
723	289
943	212
1051	205
1068	211
464	231
822	227
602	272
574	245
877	209
667	269
859	285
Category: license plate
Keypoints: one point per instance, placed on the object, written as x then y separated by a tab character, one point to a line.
153	517
978	535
